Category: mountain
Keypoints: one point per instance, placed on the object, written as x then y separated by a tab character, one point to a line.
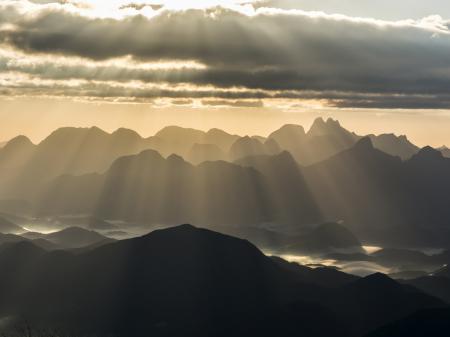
327	138
382	198
247	147
180	140
186	281
8	239
176	282
324	239
72	237
379	197
445	151
431	322
288	190
150	188
205	152
289	137
8	227
405	259
324	138
26	167
437	286
87	222
375	299
394	145
2	144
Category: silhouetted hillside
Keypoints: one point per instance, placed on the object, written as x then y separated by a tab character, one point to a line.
435	322
150	188
72	237
197	282
325	238
186	281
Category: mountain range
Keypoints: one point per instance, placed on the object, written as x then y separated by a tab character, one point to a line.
186	281
25	167
383	188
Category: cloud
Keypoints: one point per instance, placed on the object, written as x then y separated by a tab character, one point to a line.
252	53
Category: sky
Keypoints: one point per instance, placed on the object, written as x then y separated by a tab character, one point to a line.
245	66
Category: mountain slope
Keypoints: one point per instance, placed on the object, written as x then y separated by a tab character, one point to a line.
147	187
197	282
185	281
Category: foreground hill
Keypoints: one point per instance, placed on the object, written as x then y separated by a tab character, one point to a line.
434	323
186	281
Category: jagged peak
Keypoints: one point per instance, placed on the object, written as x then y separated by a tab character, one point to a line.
333	122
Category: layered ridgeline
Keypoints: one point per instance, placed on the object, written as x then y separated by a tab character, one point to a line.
385	189
186	281
24	166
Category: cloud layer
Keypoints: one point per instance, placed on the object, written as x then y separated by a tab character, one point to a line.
232	51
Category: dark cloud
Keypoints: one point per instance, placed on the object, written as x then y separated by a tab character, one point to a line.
288	54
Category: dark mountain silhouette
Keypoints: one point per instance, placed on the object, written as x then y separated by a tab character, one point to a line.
323	276
7	239
194	283
88	222
325	238
8	227
186	281
382	198
431	322
406	259
289	192
377	298
408	275
72	237
437	286
443	272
